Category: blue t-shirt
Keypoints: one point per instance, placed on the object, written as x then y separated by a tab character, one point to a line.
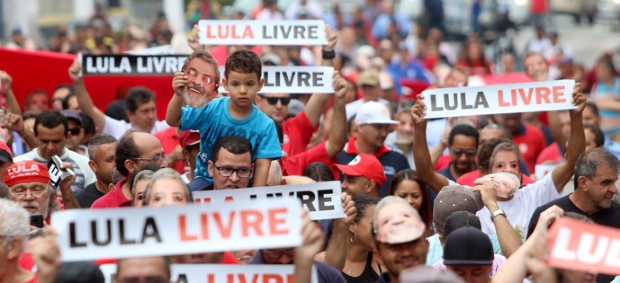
214	121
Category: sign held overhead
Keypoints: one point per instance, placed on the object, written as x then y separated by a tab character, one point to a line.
249	32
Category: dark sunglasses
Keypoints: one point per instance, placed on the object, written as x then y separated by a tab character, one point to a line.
274	100
469	153
74	131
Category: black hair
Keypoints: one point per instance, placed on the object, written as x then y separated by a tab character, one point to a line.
350	122
167	264
465	130
126	149
460	219
233	144
97	141
51	119
319	172
599	138
361	203
589	161
70	87
592	107
88	124
136	97
245	62
65	101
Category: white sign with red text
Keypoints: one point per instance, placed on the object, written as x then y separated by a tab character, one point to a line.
249	32
322	200
293	79
499	99
173	230
223	273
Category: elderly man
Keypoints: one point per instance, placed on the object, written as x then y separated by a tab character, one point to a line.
14	230
29	185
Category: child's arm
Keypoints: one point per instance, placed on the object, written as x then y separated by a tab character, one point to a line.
173	113
261	172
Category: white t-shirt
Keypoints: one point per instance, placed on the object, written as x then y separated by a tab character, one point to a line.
520	208
84	175
352	107
117	128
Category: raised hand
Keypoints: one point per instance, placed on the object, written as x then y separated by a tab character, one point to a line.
579	99
6	80
74	71
193	38
348	205
332	38
339	84
179	83
418	110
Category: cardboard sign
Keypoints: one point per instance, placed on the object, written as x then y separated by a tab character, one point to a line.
132	64
249	32
577	245
288	79
222	273
173	230
57	174
322	200
499	99
541	170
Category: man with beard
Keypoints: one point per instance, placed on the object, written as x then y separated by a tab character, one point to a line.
139	107
463	144
596	173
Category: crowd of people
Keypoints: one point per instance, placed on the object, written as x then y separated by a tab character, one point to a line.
426	200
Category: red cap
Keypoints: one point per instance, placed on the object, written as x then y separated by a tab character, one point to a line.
364	165
188	138
26	172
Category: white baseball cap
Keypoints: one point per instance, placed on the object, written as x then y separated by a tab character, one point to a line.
373	112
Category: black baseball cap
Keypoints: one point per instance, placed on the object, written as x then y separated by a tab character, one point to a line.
78	272
468	246
5	153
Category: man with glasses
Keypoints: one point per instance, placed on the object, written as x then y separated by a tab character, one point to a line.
373	125
51	130
231	163
13	237
463	146
77	132
134	150
143	269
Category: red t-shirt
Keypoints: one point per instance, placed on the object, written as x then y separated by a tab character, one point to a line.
297	134
169	141
114	198
550	153
531	142
539	7
478	68
468	179
442	162
296	164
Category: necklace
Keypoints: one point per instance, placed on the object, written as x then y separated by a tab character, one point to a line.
352	269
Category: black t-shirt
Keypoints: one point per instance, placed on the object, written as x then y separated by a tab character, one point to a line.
88	195
606	217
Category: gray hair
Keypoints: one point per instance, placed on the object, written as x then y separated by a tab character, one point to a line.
166	173
505	146
505	132
389	200
14	221
589	161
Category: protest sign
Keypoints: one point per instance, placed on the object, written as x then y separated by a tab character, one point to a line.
577	245
132	64
541	170
249	32
221	273
499	99
290	79
322	200
171	230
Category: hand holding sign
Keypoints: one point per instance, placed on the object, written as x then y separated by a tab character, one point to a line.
418	110
75	70
13	122
348	205
579	99
193	37
339	84
312	239
539	237
332	38
6	80
66	183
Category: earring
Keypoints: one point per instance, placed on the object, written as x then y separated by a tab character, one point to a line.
354	234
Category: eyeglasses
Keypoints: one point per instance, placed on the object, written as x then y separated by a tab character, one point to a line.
206	79
277	254
149	279
21	192
75	131
274	100
158	159
227	171
469	152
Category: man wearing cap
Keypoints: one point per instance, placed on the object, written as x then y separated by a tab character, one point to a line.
398	232
51	130
369	83
469	253
6	158
74	120
29	185
190	142
362	176
101	151
373	125
297	130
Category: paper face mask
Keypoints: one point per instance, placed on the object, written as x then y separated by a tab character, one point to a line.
506	184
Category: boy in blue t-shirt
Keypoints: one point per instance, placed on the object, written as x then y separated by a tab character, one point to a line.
233	115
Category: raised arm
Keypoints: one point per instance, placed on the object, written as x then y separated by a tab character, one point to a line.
83	98
336	252
316	103
338	130
15	122
576	143
11	101
68	198
304	254
173	113
422	156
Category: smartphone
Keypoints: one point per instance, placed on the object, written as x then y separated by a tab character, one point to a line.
36	220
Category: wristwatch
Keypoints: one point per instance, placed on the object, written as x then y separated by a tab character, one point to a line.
498	213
